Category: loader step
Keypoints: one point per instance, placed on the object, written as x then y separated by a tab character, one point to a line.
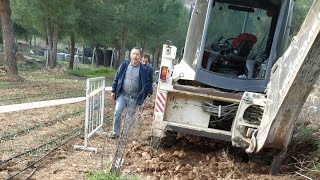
200	131
208	92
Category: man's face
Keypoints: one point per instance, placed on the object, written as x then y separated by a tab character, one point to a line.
145	61
135	56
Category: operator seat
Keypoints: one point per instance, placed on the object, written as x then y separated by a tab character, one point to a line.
241	47
232	59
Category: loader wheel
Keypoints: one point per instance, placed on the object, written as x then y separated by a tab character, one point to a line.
277	163
268	156
170	139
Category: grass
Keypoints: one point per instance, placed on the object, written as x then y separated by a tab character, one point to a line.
30	66
41	81
43	58
85	70
63	79
5	84
39	86
107	175
311	138
88	71
305	135
41	96
314	172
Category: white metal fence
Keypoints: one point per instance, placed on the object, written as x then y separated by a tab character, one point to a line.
94	110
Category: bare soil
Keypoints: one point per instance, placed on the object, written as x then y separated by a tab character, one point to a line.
190	158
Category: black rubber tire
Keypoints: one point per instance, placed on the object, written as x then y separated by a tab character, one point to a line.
170	139
277	163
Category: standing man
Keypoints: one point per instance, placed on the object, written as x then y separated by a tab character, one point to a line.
130	86
145	62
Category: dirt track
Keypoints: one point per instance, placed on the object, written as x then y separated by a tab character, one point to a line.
185	160
190	158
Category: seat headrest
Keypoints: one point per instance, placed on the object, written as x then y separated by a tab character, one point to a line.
244	37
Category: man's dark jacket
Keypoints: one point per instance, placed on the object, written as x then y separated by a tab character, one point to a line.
150	72
145	86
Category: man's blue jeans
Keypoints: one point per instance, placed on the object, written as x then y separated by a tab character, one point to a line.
121	104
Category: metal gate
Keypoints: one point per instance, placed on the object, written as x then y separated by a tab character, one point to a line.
94	110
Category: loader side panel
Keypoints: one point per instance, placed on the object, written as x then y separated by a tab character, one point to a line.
186	109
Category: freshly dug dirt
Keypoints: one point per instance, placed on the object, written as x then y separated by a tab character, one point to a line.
190	158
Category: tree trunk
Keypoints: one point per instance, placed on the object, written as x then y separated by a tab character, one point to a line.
142	46
113	57
159	54
53	62
82	55
8	39
30	42
35	44
49	41
97	55
93	56
117	59
105	60
123	46
153	59
71	62
46	37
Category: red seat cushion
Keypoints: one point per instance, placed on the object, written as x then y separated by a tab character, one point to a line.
244	36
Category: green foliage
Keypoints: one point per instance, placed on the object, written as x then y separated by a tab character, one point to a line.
305	135
106	175
5	84
314	172
159	21
95	23
34	14
102	22
20	32
317	143
93	72
146	23
28	14
311	140
309	136
103	176
301	8
30	65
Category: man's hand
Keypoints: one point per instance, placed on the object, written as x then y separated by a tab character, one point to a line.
113	95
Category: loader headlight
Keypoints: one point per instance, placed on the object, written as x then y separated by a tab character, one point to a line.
168	50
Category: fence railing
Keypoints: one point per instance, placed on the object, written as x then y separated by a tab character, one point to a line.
94	110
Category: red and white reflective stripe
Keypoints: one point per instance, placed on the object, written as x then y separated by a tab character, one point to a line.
160	102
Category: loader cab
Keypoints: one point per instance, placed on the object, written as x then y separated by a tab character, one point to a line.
227	47
240	42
